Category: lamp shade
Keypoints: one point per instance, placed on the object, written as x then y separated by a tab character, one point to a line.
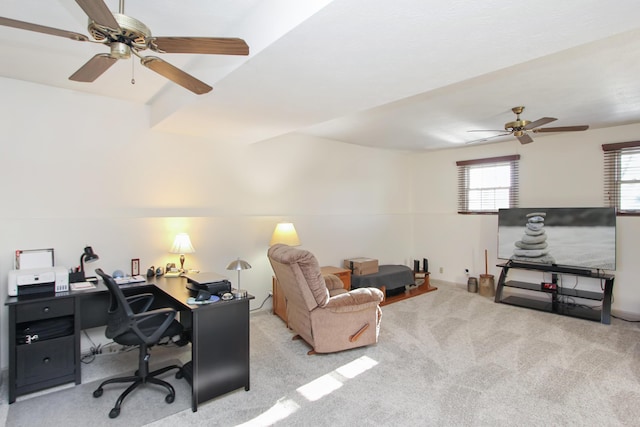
238	264
285	233
182	245
89	255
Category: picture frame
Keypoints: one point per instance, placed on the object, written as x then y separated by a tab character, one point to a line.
135	266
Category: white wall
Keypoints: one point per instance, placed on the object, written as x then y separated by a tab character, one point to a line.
82	170
563	170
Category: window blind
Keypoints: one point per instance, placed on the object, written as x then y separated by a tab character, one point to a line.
622	176
486	185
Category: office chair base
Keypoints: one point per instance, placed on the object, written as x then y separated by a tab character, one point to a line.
136	381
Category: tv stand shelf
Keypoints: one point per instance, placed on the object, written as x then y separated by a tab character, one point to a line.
557	302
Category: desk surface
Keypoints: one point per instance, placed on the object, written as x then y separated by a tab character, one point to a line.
174	287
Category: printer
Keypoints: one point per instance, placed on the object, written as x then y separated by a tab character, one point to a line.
210	282
38	280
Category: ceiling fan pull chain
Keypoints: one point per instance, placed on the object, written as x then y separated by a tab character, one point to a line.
133	77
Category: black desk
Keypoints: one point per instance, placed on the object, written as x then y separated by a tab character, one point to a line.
219	338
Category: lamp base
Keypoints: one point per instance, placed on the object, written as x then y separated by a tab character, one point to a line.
239	293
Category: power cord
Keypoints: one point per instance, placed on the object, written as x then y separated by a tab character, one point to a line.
94	350
626	320
261	305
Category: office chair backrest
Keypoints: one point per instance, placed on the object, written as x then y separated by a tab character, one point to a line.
120	313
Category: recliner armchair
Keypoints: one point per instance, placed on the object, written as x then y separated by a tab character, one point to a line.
328	323
130	322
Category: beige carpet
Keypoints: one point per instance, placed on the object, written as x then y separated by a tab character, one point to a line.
445	358
76	406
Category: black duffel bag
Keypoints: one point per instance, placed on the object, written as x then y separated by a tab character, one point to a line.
40	330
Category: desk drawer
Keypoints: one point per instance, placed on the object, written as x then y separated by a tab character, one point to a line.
44	310
45	360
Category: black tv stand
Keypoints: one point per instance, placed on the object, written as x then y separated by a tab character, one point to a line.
557	303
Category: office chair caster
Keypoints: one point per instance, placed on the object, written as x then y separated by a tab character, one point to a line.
98	392
170	398
114	412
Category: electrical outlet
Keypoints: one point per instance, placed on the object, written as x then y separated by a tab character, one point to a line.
270	293
441	269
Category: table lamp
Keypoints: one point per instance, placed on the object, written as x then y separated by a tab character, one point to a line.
285	233
182	245
239	264
87	256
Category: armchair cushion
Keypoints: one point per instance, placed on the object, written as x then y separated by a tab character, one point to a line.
334	284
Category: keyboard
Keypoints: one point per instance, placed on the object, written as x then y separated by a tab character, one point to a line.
129	279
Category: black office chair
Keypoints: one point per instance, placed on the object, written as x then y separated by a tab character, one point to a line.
129	323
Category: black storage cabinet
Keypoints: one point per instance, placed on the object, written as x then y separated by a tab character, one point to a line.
44	344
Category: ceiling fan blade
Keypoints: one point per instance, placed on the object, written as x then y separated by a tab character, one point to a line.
206	45
7	22
524	139
176	75
563	129
99	13
540	122
93	68
488	138
486	130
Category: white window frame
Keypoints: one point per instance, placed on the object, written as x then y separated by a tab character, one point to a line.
490	203
619	174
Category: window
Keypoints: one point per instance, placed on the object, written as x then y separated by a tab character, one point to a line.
622	177
486	185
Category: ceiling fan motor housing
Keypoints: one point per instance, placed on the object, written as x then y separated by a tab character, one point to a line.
516	125
131	32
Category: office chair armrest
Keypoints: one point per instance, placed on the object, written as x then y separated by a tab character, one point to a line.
140	303
140	318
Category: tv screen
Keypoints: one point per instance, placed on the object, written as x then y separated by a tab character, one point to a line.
574	237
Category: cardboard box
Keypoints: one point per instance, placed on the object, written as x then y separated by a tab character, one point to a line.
361	266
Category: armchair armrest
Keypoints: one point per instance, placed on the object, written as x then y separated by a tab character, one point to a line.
355	300
333	282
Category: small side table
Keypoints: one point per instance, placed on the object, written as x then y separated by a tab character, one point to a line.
280	302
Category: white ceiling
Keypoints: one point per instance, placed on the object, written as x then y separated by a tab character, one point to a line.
402	74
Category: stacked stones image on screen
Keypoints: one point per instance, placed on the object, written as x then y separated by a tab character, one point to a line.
533	246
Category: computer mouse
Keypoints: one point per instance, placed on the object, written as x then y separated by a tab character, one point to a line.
227	296
203	296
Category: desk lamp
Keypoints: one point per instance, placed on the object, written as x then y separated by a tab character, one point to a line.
239	264
182	245
285	233
88	256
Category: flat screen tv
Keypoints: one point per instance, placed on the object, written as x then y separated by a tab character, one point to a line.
571	237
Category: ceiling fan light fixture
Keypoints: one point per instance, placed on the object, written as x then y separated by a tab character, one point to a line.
120	50
519	128
126	36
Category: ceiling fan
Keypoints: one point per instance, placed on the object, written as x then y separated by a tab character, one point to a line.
519	128
125	36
